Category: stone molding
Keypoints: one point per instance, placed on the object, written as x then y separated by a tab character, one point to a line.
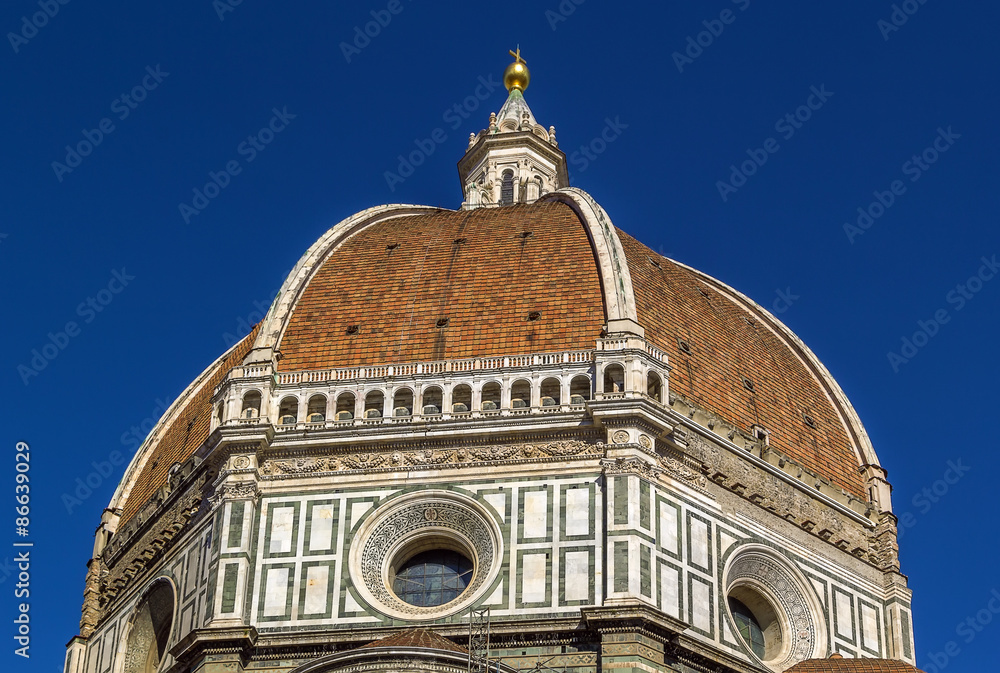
392	460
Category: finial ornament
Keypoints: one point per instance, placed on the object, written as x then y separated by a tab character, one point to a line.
516	76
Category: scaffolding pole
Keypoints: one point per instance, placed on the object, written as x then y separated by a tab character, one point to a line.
479	640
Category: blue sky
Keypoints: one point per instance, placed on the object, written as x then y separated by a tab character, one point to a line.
893	112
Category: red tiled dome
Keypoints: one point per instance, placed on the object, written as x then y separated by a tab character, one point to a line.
395	272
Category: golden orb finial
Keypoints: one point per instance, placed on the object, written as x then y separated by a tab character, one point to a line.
516	76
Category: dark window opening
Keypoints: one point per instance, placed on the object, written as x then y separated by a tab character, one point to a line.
432	578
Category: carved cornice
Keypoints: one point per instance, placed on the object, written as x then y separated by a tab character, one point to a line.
465	456
131	562
631	465
241	490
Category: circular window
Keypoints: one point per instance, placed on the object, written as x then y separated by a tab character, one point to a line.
773	613
426	555
432	578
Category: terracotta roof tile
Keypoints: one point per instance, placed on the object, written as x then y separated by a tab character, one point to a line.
485	286
853	666
417	637
674	303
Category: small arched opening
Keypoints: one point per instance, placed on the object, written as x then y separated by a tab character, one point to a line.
402	402
374	404
520	394
316	411
345	407
251	405
461	399
491	396
654	386
507	188
288	411
579	389
614	379
551	393
431	401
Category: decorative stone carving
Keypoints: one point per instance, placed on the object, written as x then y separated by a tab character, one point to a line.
620	437
645	441
801	627
678	470
243	490
631	466
454	518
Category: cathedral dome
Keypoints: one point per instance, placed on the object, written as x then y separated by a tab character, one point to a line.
519	434
410	286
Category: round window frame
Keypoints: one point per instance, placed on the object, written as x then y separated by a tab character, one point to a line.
803	634
431	519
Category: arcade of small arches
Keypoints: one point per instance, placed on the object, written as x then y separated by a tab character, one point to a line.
513	393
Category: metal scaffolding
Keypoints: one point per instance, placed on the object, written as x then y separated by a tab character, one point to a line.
479	640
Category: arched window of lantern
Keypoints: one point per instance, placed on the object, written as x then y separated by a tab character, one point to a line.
345	407
316	411
374	404
507	188
520	394
288	411
579	389
402	402
491	396
432	401
614	379
461	399
551	394
654	386
251	405
220	413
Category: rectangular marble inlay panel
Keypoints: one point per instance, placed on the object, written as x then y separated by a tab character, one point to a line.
577	575
275	591
536	520
321	528
281	529
316	589
578	511
533	578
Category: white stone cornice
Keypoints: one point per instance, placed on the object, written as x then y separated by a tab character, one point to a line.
616	281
